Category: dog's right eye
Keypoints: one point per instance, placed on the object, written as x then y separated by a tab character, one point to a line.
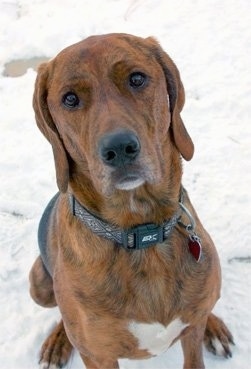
70	100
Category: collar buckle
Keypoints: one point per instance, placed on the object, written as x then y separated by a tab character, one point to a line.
142	236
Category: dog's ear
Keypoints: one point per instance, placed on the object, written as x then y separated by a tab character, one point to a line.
48	128
176	94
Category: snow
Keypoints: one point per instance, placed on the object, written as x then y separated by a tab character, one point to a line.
210	42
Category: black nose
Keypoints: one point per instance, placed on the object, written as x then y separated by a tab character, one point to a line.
119	148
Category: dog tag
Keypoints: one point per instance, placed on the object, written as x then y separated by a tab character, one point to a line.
194	246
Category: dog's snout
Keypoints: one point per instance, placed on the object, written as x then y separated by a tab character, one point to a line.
119	148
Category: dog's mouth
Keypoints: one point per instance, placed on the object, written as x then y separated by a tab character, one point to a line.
128	178
129	182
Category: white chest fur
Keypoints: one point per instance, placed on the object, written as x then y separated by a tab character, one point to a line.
155	337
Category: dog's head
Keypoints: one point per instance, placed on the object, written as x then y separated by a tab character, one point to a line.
110	107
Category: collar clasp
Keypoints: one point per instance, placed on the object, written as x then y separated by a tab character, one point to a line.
142	236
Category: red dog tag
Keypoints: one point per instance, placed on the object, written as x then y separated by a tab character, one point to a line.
195	247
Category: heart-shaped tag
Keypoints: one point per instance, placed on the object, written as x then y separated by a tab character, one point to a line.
195	247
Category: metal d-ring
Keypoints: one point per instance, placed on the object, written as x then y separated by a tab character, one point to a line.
189	227
194	242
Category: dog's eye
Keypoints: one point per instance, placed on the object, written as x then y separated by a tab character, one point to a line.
137	79
70	100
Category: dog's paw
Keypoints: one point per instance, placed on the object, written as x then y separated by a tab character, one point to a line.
217	337
56	350
48	366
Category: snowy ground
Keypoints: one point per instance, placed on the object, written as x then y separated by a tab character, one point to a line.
211	43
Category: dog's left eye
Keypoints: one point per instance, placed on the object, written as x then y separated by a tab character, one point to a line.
137	79
70	100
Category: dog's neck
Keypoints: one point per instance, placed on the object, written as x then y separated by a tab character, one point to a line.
146	204
144	234
136	238
149	203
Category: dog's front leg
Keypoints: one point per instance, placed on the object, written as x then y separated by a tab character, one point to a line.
192	344
105	364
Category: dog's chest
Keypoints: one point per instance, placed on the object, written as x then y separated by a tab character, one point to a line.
155	337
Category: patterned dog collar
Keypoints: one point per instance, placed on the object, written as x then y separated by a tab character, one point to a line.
136	238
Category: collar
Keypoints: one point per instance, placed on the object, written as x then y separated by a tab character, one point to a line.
144	235
135	238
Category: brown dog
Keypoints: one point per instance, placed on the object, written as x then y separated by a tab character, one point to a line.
123	253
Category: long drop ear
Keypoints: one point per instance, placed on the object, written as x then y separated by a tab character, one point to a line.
48	128
176	94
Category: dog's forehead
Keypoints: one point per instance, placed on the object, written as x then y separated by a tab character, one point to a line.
96	51
105	45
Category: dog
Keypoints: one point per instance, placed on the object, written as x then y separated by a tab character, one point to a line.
123	253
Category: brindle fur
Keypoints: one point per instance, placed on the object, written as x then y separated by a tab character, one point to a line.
98	286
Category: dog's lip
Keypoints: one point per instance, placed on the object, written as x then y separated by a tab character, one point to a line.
129	182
